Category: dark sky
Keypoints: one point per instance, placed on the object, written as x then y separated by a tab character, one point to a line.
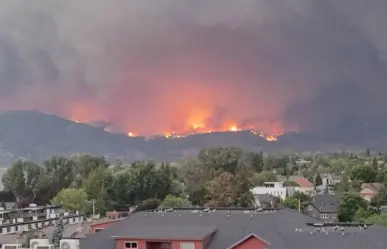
153	66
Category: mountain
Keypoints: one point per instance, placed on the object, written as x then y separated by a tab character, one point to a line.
36	136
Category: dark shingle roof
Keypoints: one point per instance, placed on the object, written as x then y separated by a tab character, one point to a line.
167	232
326	203
283	229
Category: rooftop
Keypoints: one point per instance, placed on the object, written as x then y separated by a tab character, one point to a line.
283	229
326	203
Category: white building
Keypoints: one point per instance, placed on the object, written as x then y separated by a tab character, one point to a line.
276	189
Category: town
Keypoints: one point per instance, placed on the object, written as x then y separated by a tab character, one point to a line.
224	198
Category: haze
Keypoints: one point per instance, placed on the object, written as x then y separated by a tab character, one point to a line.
154	66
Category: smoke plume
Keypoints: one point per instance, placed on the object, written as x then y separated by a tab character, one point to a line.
154	66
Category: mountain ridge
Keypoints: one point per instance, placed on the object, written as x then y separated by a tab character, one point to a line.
36	136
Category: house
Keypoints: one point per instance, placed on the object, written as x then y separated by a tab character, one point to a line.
276	189
233	229
266	201
11	232
102	224
305	186
323	207
370	190
328	180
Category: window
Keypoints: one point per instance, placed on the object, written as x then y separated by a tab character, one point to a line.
310	207
324	216
96	230
187	245
130	244
333	216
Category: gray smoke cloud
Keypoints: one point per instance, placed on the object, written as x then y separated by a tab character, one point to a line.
152	66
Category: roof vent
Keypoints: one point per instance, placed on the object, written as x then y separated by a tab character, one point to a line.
228	211
326	233
169	210
179	214
365	227
342	233
213	210
228	216
162	214
251	216
201	214
145	215
311	233
246	211
296	230
207	210
341	228
318	229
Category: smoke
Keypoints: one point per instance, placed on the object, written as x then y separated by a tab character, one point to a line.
153	66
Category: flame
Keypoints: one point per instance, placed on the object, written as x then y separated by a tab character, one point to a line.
193	120
233	128
271	138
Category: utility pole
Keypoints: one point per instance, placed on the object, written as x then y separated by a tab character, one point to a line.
93	209
299	204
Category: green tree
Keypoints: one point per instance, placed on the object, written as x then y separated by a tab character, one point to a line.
375	163
258	179
350	204
71	199
171	201
368	153
257	163
148	204
223	159
242	186
220	191
86	164
58	233
318	180
363	173
380	219
23	179
291	202
291	184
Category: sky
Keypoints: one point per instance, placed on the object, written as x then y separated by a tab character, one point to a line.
153	66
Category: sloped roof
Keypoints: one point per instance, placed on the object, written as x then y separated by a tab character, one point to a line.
326	203
302	181
283	229
375	186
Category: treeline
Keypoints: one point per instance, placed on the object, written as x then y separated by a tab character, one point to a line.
218	177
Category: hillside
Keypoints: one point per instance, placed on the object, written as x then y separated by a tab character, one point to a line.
36	136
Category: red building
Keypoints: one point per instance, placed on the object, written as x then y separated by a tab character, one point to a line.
232	229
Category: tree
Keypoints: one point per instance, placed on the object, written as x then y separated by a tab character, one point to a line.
171	201
220	191
368	153
221	159
257	163
71	199
86	164
23	180
363	173
375	163
58	233
318	180
242	186
290	184
258	179
350	204
291	202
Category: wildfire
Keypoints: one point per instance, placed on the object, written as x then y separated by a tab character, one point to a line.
233	128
